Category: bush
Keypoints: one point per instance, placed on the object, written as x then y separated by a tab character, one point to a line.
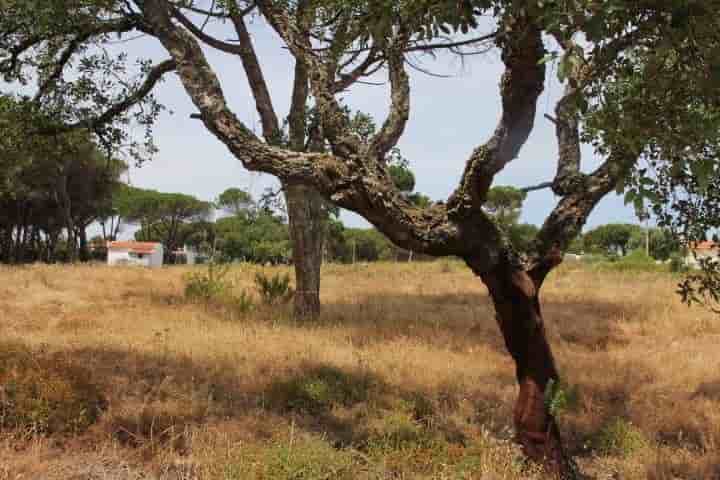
677	263
635	261
301	458
209	284
45	394
212	286
619	438
319	390
561	397
275	289
400	431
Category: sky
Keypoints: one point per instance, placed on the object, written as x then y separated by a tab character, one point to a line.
449	118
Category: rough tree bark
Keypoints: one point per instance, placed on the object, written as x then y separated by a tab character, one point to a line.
306	215
516	296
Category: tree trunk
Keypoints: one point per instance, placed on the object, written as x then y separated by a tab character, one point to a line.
82	236
306	215
516	299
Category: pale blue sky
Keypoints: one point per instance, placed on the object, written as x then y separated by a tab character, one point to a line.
449	118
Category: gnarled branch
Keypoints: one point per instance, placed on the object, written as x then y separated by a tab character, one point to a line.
394	126
520	88
151	80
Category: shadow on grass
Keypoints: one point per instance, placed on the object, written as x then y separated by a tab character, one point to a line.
155	399
464	320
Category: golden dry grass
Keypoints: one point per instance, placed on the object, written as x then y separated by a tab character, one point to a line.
404	376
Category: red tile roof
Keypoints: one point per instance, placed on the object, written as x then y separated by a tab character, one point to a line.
136	247
705	246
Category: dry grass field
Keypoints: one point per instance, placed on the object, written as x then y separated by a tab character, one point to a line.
113	374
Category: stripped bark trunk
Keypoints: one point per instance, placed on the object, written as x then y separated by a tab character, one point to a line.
306	215
515	294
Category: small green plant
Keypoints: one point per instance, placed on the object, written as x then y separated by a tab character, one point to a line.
677	263
243	302
560	397
619	438
320	390
398	430
308	458
275	289
209	284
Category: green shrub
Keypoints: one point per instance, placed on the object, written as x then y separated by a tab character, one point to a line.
212	286
635	261
209	284
560	397
275	289
242	302
677	263
320	390
304	458
619	438
308	459
45	394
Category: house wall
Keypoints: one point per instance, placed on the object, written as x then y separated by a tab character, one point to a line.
119	257
156	258
123	257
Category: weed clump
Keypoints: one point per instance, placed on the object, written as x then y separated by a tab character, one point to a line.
275	289
213	286
619	438
46	394
304	458
209	284
319	390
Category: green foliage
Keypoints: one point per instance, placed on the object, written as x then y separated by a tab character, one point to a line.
610	239
619	438
275	289
560	397
208	284
677	263
235	201
162	216
50	192
400	431
662	242
424	18
363	245
46	393
261	238
522	236
309	459
402	177
504	203
212	286
319	390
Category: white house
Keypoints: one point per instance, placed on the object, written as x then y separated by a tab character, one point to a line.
702	250
145	254
186	255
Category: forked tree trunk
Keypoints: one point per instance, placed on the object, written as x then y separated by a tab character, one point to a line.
306	216
516	298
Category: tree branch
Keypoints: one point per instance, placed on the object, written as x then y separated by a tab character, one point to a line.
336	126
256	79
394	126
208	39
151	80
539	186
520	88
